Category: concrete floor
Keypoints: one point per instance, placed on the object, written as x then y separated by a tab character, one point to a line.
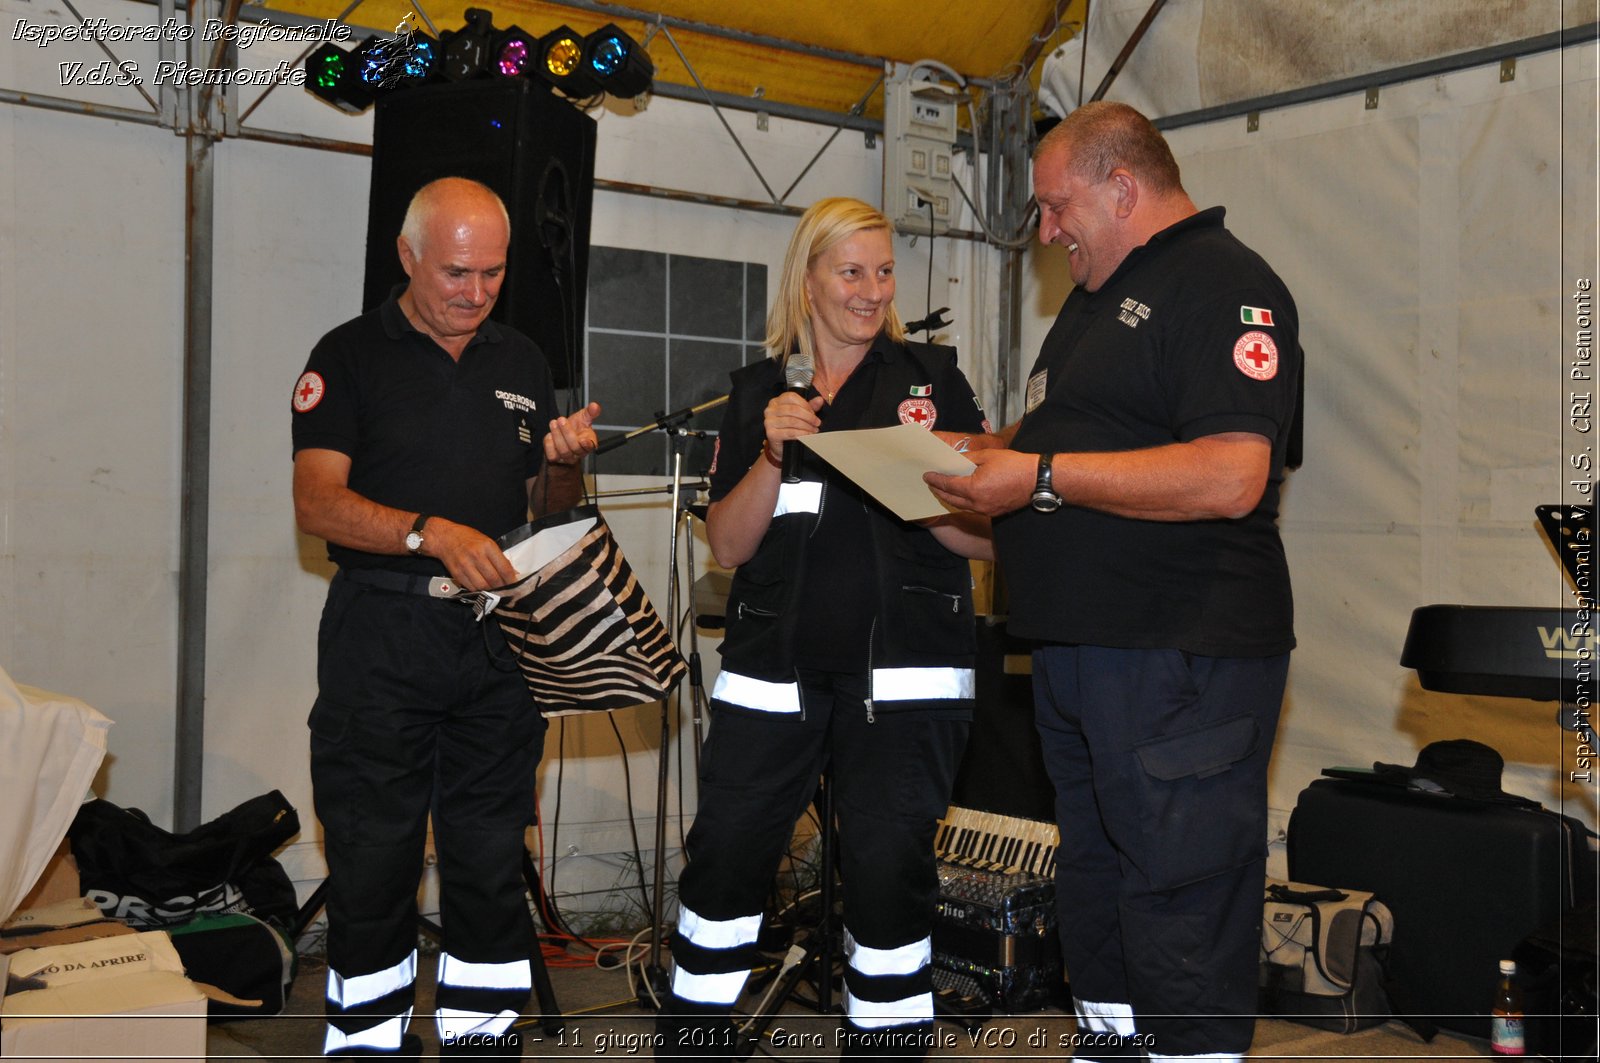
602	1018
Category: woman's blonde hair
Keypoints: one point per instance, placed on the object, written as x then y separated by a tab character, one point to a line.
824	224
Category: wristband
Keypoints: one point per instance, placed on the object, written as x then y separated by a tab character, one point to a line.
766	452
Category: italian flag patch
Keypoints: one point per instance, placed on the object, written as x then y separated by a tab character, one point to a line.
1254	315
921	391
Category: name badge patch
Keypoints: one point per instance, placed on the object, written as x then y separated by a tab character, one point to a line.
1036	389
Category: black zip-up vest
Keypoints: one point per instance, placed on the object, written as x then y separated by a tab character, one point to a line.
923	644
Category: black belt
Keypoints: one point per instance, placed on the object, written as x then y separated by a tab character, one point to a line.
427	586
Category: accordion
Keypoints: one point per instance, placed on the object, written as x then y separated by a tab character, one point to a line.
994	934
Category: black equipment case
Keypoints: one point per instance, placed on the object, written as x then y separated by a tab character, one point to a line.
1467	880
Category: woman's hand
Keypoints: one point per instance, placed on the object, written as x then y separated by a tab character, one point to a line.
789	416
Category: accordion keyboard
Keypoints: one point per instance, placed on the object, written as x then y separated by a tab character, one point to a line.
988	841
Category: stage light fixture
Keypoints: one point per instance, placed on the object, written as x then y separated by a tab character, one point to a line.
331	76
467	53
420	62
515	53
384	64
561	63
615	60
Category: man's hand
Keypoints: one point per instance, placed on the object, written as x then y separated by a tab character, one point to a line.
571	439
473	559
1003	481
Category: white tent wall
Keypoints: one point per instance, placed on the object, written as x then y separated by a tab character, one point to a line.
90	397
1434	245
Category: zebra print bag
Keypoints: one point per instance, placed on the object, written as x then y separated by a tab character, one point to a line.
580	626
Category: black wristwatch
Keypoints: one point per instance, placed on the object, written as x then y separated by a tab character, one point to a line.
1045	499
414	536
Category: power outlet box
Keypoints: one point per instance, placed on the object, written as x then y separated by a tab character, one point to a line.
919	193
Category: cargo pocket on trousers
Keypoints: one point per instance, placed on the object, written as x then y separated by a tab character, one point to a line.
1196	806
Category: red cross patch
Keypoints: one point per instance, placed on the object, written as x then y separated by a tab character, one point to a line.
1256	356
308	392
919	412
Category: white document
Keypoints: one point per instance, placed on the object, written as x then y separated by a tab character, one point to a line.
888	463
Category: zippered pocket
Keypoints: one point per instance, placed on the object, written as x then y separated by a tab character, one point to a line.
955	600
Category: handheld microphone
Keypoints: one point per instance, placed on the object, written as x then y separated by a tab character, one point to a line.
797	374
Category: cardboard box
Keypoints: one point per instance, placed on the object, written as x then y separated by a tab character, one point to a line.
58	883
74	912
97	959
92	1007
64	935
59	924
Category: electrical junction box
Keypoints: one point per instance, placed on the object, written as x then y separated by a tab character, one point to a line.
919	193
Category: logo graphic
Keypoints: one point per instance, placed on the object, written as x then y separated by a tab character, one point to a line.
1131	312
921	391
919	412
1256	356
1564	644
308	391
1254	315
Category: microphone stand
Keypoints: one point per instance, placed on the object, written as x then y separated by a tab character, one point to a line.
663	422
656	985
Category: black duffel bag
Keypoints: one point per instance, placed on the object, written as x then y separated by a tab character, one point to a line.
151	878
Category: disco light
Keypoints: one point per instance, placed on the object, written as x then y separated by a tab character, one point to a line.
561	64
617	62
421	61
582	67
331	76
515	52
384	64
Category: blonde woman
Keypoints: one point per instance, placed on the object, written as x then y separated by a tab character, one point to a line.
849	649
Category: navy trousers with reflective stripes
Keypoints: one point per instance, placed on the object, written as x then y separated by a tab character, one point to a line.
1159	760
414	717
891	781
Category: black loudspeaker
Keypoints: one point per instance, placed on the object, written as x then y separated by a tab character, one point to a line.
1002	770
537	152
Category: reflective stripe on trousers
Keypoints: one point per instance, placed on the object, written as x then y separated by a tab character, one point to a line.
713	936
486	985
356	1016
888	964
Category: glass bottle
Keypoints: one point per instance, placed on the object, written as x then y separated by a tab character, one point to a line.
1505	1023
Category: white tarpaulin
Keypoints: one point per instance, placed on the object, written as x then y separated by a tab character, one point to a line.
53	746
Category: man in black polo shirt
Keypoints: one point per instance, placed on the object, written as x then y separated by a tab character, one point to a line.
422	431
1135	510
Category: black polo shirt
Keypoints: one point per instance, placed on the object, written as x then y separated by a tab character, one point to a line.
1193	335
426	432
